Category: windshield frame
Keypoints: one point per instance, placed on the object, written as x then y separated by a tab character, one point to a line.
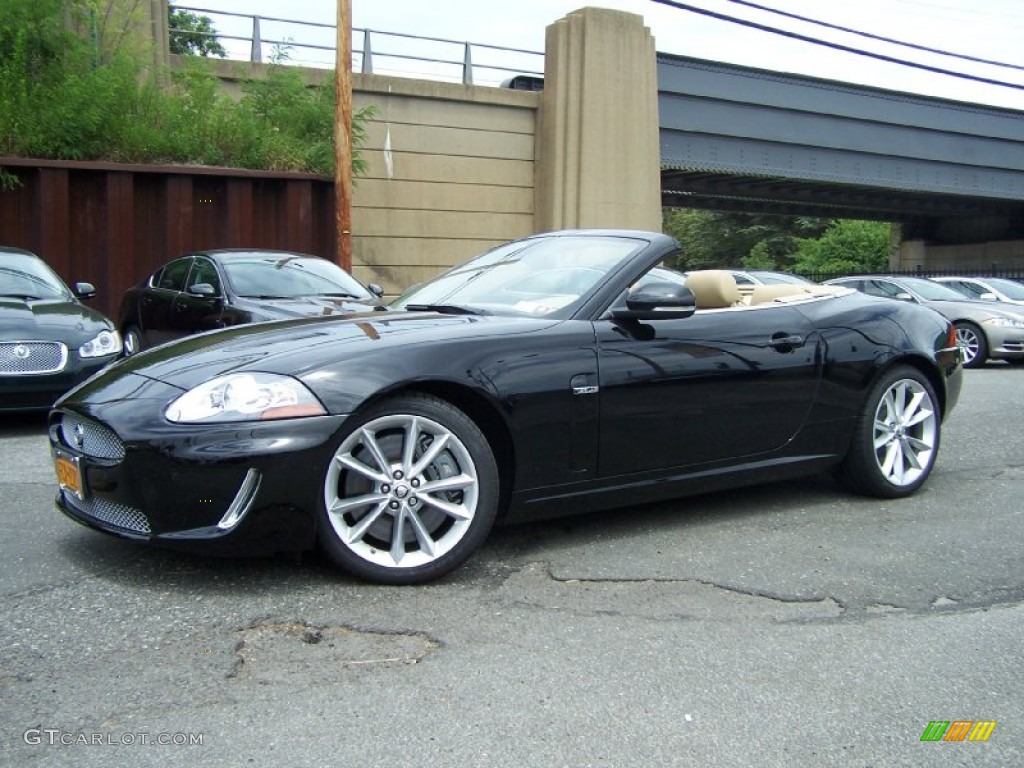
546	276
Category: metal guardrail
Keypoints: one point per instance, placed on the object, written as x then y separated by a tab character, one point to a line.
266	38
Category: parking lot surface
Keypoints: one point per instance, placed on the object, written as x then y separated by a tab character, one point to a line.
789	625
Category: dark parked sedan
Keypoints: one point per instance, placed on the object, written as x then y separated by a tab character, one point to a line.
546	377
49	340
218	289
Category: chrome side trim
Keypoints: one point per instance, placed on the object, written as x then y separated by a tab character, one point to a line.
242	502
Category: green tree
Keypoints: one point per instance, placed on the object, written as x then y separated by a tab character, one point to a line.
59	99
193	35
713	239
847	246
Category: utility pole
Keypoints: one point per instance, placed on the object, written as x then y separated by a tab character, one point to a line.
343	134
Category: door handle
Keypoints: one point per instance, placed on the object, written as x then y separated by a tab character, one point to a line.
785	342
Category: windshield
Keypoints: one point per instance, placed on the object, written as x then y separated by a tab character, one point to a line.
1009	288
929	290
543	276
287	277
27	276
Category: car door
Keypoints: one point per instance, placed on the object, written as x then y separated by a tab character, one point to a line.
194	312
719	385
156	306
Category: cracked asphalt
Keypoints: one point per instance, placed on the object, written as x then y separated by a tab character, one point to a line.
784	625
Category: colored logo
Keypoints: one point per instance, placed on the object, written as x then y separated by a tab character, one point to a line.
958	730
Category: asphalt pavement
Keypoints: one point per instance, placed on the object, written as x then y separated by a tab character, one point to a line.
783	625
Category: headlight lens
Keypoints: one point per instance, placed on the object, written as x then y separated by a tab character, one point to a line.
245	397
1005	322
105	343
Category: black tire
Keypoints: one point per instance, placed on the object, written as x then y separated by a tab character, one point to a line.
896	439
408	522
132	341
972	343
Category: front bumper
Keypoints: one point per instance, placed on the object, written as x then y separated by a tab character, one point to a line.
39	391
232	489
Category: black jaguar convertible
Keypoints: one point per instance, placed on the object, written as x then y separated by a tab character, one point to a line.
557	374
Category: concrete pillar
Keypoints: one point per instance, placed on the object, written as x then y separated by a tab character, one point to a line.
597	152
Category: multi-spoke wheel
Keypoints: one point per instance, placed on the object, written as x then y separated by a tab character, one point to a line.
132	340
896	438
410	492
972	344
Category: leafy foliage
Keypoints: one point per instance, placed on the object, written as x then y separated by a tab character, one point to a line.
800	244
192	34
847	246
59	99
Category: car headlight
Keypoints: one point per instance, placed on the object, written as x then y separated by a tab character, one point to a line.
245	397
105	343
1005	322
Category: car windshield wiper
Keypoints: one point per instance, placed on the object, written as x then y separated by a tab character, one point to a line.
264	296
340	295
22	296
446	309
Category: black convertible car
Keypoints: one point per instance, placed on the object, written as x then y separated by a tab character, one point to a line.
553	375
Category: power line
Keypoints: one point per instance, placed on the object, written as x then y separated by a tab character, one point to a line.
871	36
837	46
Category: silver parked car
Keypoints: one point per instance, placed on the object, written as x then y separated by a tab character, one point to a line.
984	331
998	289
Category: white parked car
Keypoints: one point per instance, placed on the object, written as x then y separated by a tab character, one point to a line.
986	288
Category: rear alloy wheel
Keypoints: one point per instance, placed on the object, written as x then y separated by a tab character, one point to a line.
896	439
972	344
410	492
132	341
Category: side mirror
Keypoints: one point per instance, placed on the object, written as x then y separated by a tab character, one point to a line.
904	296
658	301
84	290
988	296
202	289
375	289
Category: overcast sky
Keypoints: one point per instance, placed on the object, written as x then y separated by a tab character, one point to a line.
988	29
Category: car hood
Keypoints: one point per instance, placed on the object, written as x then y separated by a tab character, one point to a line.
304	306
301	347
50	320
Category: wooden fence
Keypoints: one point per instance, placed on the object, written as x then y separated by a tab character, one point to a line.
112	224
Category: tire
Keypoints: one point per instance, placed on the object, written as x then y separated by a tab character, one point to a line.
132	341
972	343
896	439
410	493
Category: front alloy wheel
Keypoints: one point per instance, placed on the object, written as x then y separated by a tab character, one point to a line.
896	440
410	492
972	344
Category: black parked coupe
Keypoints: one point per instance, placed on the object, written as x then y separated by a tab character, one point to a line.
217	289
550	376
49	340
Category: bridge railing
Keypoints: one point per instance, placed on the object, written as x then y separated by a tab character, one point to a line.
258	38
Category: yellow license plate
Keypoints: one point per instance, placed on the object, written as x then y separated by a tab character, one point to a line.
69	475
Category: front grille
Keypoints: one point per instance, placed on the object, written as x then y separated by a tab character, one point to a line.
18	358
90	438
118	515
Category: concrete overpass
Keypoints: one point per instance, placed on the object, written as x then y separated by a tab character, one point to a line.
743	139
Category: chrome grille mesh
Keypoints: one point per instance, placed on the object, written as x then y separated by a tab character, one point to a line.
90	438
119	515
27	357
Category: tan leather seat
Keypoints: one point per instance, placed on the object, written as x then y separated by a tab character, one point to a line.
713	288
766	293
